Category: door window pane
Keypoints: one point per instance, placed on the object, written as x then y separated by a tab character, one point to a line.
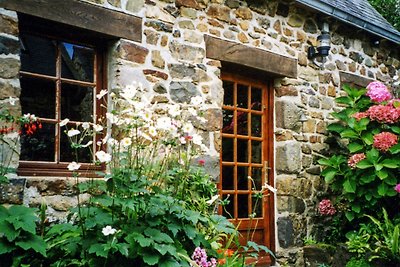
242	96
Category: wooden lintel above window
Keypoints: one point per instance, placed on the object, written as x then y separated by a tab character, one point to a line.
81	14
353	79
232	52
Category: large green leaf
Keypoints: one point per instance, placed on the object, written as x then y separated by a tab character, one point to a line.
99	250
364	164
373	155
382	189
349	215
336	127
368	138
395	149
350	186
151	259
33	242
349	133
382	174
367	178
158	236
329	174
344	100
5	247
390	163
355	147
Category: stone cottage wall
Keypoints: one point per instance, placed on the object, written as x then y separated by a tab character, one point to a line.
171	64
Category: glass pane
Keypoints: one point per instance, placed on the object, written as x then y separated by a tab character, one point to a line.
242	122
76	102
242	96
38	97
228	93
243	206
242	180
227	177
40	145
257	207
227	208
228	122
38	55
256	151
77	62
67	154
256	98
256	125
257	177
227	149
242	151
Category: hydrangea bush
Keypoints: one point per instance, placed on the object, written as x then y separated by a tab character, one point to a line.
364	174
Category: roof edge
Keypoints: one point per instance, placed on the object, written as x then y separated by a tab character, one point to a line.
350	19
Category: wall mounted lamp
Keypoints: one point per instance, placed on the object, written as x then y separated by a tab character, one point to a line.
323	46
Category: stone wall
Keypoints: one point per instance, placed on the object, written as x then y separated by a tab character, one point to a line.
171	64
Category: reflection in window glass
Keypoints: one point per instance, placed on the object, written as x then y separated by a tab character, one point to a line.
77	62
67	154
228	93
257	204
40	145
38	97
242	178
242	96
227	177
256	98
227	149
257	177
76	102
243	206
242	150
228	121
256	151
256	125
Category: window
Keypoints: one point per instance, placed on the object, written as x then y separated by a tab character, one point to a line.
247	151
59	78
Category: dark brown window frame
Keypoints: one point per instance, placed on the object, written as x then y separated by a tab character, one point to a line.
43	28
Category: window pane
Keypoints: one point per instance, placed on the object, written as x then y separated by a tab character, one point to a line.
38	97
256	151
257	207
227	210
38	55
67	154
257	177
77	62
228	93
227	149
76	102
242	96
243	206
242	175
228	122
40	145
227	177
256	125
242	151
256	99
242	122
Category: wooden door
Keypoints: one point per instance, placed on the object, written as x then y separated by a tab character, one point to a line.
246	159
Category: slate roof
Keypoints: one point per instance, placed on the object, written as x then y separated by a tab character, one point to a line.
358	13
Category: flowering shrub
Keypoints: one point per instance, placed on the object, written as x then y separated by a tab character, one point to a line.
365	174
200	257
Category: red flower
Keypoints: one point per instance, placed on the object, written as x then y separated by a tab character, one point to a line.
326	207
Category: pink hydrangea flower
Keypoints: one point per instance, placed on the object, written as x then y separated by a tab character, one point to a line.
326	207
397	188
384	141
356	158
199	256
378	92
384	114
359	115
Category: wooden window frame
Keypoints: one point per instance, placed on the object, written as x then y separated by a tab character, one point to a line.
42	28
267	220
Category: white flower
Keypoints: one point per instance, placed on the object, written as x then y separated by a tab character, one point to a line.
73	166
182	140
212	200
64	122
108	230
101	94
152	131
88	144
163	123
103	156
192	111
129	92
111	117
174	110
112	142
73	132
196	100
12	100
97	127
125	142
197	139
187	127
270	188
146	115
85	125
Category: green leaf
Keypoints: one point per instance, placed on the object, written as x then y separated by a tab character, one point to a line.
368	138
390	163
395	129
355	147
373	155
395	149
169	263
344	100
336	127
391	180
325	162
8	230
349	186
329	174
356	207
151	259
349	133
158	236
382	189
164	248
378	167
368	196
367	178
99	249
349	215
22	217
33	242
5	247
382	174
364	164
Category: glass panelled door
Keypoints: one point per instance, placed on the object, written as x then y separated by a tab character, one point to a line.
246	158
